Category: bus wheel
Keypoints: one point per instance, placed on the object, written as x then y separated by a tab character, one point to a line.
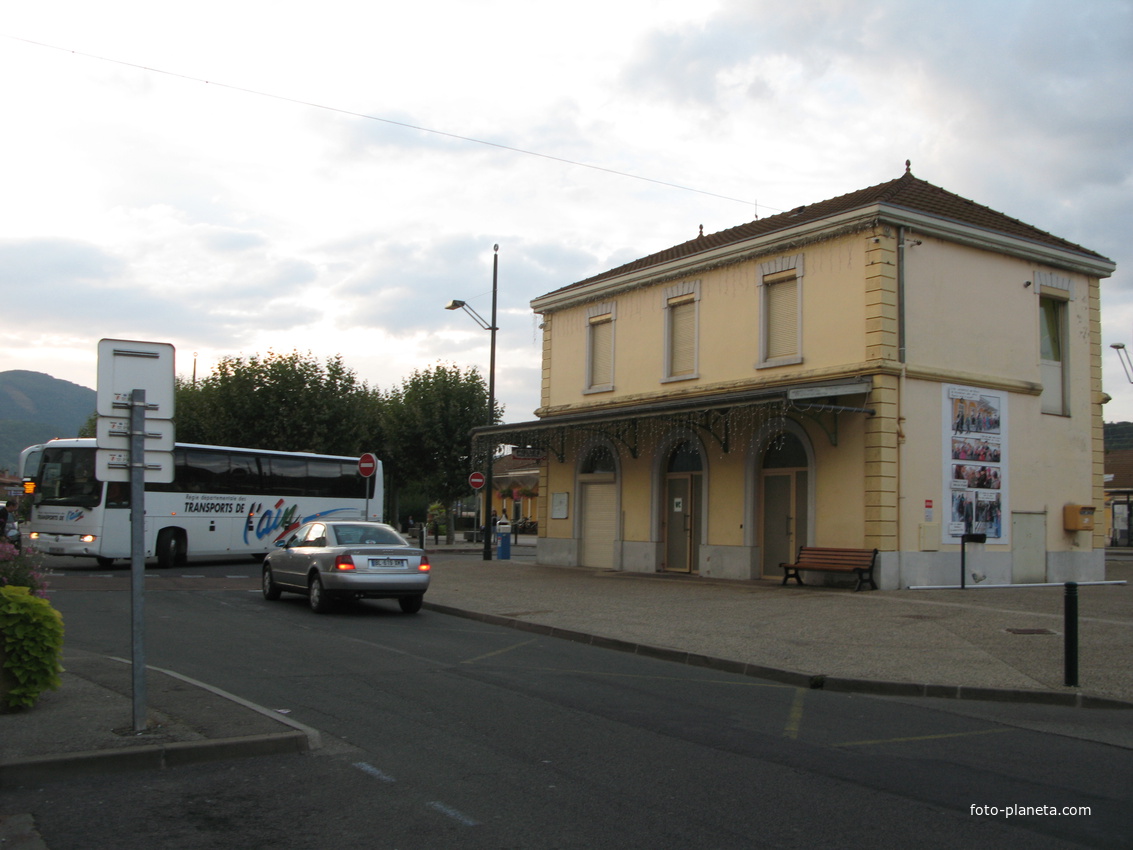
104	562
168	549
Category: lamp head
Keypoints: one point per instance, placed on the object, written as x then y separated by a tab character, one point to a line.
454	305
1117	345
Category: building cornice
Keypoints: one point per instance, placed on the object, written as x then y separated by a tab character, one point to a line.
825	229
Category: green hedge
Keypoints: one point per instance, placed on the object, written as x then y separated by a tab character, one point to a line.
31	647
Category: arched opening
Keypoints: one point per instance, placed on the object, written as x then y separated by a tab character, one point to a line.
598	513
681	513
784	496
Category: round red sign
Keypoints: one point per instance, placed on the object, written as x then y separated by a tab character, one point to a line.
476	479
367	465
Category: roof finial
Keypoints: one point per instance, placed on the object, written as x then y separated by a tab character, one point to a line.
908	166
702	231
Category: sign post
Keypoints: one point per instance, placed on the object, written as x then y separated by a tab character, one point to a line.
367	466
476	481
138	554
135	378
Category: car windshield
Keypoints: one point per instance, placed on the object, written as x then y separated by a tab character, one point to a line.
352	535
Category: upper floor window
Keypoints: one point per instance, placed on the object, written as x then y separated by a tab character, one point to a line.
1052	353
780	307
681	320
600	348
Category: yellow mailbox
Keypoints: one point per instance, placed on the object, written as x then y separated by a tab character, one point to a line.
1078	517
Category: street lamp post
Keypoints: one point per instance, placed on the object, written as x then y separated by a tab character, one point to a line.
491	327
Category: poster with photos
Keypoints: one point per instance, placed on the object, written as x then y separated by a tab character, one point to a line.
975	463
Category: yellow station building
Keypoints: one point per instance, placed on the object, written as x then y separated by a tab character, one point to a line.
894	369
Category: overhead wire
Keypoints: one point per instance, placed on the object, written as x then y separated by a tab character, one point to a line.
368	117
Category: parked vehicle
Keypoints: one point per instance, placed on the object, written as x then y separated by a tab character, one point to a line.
328	561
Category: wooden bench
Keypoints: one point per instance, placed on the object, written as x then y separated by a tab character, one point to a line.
857	561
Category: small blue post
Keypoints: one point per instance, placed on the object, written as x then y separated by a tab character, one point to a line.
503	535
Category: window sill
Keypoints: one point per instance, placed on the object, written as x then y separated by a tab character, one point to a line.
792	360
675	378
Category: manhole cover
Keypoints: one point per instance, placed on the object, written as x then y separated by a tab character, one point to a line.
1030	631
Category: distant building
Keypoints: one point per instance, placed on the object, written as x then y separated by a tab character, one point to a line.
516	484
890	369
1119	496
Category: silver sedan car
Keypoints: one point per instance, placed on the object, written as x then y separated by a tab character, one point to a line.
347	560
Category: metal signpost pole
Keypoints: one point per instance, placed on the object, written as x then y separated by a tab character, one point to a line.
138	552
368	468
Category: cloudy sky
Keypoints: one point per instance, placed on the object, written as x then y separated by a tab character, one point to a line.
242	176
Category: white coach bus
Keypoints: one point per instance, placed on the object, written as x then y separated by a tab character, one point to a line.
223	501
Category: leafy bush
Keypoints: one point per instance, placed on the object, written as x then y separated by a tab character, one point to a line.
22	569
31	644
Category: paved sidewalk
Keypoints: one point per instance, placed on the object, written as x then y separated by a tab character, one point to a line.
978	643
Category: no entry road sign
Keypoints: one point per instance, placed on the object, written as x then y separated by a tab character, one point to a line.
367	465
476	480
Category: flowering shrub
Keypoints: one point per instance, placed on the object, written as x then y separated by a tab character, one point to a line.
31	647
22	569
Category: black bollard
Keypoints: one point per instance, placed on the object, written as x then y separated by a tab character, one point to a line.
1070	629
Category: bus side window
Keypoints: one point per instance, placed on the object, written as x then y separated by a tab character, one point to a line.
117	494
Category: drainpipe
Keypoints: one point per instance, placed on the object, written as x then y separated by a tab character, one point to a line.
901	356
901	294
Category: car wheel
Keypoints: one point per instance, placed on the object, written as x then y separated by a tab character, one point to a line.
168	549
270	588
316	596
411	604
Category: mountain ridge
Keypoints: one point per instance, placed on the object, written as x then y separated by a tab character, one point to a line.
36	407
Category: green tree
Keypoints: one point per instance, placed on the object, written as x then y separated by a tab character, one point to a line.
287	402
427	424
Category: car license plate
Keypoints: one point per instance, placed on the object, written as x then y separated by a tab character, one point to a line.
389	562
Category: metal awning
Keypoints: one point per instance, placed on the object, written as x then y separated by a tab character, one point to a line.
710	414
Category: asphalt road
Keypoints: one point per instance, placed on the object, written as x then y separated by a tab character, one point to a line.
441	731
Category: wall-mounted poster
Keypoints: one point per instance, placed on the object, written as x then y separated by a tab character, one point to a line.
975	463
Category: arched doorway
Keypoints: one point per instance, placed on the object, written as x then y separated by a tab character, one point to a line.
784	496
681	514
598	516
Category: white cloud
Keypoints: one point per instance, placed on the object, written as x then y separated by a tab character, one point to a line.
153	205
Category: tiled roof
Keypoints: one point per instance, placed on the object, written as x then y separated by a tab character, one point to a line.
906	192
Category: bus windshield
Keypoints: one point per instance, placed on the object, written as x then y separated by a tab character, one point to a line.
29	462
66	477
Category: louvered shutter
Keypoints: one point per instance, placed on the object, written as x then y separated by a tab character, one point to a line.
782	318
682	336
601	352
